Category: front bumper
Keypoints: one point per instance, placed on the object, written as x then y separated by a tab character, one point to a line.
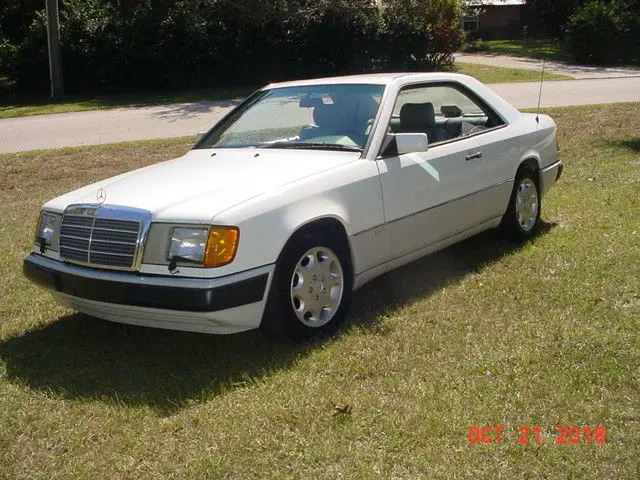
232	303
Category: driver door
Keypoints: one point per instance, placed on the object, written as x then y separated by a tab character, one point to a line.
433	195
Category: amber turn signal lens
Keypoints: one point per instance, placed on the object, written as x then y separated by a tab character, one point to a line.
221	246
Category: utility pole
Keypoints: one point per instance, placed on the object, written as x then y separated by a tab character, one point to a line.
53	36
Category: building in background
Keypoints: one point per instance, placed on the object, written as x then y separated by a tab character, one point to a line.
493	19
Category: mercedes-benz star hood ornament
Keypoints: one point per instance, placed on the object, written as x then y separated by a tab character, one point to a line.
101	196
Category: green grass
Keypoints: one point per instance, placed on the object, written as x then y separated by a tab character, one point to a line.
482	333
20	105
549	49
490	74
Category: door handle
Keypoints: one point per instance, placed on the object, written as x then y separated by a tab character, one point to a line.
471	156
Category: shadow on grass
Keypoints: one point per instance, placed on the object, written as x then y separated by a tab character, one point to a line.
82	357
421	278
632	144
223	97
538	49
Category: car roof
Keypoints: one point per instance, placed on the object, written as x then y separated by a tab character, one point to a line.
372	78
400	80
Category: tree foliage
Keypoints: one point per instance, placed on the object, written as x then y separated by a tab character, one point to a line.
148	44
605	32
551	16
595	31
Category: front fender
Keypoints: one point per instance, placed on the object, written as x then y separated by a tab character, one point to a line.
349	195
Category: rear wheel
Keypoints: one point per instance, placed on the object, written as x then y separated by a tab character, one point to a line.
311	287
523	213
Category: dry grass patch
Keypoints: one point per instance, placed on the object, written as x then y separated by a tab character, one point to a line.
483	333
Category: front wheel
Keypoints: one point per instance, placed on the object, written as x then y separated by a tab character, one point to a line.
311	287
523	212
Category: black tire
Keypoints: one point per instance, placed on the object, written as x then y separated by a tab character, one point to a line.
280	319
523	226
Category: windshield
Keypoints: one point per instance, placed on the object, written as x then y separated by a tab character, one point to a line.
336	117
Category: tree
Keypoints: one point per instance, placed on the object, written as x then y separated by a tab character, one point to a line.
554	15
125	45
16	16
605	32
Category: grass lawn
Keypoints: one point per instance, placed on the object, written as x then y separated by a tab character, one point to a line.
490	74
549	49
484	333
14	105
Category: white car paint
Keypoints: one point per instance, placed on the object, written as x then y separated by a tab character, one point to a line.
392	209
197	186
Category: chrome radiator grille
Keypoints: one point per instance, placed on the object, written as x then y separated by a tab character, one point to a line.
87	238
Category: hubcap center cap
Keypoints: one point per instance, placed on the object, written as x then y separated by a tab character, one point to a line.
318	287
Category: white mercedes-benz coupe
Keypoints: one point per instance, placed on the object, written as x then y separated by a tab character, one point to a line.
300	195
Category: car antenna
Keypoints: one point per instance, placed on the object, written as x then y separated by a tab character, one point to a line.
540	92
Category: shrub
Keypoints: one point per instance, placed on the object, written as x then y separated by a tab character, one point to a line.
549	17
421	34
29	65
86	41
8	53
171	44
15	18
604	33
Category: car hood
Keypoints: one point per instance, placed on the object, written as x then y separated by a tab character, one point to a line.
201	184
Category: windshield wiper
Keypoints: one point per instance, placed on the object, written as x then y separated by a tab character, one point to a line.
313	146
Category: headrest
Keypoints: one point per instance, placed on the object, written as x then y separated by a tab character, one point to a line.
366	109
451	111
309	101
329	115
417	116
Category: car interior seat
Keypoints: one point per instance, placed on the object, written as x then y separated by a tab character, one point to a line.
333	120
420	118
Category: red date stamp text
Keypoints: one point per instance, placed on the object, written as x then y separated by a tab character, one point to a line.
564	435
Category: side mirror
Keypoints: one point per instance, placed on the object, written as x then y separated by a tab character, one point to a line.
401	143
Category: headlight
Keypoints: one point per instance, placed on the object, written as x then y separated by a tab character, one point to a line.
210	247
188	244
48	232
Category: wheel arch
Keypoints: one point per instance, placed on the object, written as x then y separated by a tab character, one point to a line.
328	223
276	323
531	161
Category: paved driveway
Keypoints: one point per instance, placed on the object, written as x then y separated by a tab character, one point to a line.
109	126
575	71
570	92
118	125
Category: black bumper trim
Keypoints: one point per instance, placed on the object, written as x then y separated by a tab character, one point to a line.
210	299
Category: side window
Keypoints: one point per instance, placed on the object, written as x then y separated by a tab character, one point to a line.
443	112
